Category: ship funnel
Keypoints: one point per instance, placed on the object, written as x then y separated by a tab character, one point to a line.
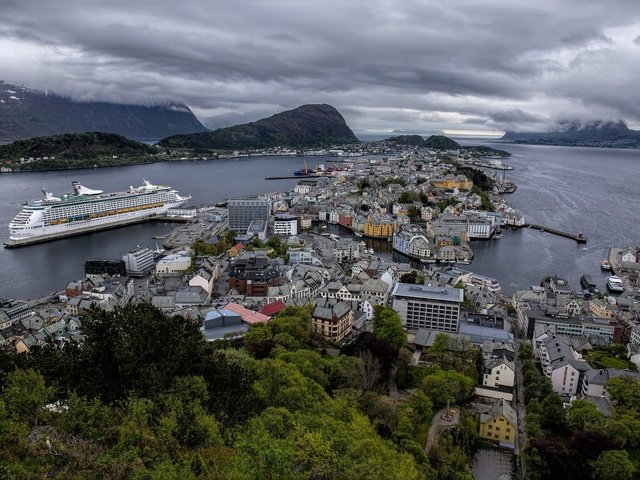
80	190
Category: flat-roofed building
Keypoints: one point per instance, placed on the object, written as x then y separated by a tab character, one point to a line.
242	212
434	308
285	225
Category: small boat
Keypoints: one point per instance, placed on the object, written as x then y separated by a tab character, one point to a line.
605	265
614	284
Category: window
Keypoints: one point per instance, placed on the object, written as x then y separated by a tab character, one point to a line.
490	427
508	430
507	437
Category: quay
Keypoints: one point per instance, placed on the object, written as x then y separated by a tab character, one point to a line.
580	238
92	228
294	176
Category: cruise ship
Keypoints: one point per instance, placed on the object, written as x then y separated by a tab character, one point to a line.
85	210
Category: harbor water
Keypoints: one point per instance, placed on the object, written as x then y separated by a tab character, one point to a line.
594	191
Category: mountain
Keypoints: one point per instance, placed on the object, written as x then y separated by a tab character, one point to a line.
307	126
438	142
26	113
591	134
75	150
441	142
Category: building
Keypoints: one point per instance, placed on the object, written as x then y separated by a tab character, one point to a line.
433	308
346	250
499	424
332	321
110	267
450	182
258	228
182	212
285	225
138	262
561	364
219	324
242	212
380	227
412	243
304	256
178	263
253	275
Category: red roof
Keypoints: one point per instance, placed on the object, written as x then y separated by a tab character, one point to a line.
273	308
248	316
238	247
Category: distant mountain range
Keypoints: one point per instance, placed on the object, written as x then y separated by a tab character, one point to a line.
26	113
308	126
591	134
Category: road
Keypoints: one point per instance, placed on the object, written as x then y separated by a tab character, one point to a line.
521	411
440	424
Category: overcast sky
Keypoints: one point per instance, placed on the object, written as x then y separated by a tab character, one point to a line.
424	66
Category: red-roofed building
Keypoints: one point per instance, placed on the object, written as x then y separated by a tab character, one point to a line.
273	308
248	316
236	249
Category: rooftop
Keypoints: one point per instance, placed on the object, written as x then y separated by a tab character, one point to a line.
428	292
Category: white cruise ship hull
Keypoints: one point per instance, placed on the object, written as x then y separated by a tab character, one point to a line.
36	223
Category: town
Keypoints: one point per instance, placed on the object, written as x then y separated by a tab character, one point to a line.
233	268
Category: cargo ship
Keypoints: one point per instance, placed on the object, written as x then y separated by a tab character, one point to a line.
86	210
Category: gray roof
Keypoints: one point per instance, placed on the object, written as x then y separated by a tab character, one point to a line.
500	408
428	292
602	376
338	310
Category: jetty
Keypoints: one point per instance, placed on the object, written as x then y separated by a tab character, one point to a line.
294	177
579	237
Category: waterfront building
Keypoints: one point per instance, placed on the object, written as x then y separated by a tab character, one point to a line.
421	306
285	225
178	262
110	267
380	226
182	212
242	212
138	262
346	250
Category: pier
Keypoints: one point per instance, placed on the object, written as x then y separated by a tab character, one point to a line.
294	177
580	238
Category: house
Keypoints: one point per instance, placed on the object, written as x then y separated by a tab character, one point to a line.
628	254
332	321
272	309
498	378
499	424
236	249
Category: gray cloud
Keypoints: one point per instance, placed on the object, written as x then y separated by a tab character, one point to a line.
414	66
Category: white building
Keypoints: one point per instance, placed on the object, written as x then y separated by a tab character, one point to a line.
433	308
175	263
182	212
285	225
304	256
346	250
138	262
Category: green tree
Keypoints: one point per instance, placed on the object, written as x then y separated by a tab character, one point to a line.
387	325
447	386
613	465
26	395
583	415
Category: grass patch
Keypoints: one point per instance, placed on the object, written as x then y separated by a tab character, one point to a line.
422	433
613	356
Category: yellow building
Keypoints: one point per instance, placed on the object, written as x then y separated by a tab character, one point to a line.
380	229
450	182
500	424
600	309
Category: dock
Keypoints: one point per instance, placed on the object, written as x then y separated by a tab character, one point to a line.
579	237
290	177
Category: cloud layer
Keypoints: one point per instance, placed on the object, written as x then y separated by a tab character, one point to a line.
412	65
